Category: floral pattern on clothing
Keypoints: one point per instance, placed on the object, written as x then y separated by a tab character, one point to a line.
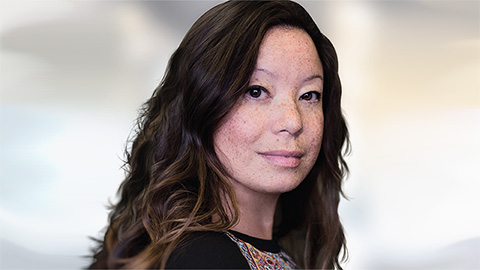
263	260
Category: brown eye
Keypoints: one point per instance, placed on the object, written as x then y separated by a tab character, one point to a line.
310	96
255	91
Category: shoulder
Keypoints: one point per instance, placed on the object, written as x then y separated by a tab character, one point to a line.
207	250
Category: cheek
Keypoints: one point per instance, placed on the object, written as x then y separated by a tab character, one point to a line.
316	132
235	135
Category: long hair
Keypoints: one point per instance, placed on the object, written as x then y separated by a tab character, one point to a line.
175	182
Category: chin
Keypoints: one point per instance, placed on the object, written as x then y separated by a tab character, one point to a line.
279	188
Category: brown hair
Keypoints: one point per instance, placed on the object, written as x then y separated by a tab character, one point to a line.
175	182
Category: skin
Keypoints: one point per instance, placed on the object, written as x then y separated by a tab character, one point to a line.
271	139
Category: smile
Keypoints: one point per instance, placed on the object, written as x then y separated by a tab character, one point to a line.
281	158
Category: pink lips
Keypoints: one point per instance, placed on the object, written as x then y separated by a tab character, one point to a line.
282	158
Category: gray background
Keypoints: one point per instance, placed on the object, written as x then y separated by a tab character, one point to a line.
74	73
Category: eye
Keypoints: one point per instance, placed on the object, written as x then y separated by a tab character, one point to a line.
256	91
311	96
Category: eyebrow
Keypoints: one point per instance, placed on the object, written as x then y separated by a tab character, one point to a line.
266	71
310	78
313	77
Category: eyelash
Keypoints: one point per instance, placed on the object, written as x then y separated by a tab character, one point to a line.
259	90
308	96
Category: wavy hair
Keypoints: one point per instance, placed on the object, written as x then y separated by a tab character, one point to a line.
175	182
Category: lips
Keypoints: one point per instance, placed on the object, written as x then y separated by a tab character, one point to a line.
283	158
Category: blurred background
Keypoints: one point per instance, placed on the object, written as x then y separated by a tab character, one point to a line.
74	73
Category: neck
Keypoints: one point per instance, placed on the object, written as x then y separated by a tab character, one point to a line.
257	211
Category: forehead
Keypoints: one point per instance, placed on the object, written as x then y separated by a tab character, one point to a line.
288	49
286	35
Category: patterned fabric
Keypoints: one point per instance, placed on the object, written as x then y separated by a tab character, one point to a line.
260	260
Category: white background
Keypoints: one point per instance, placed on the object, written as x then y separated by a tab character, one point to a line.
74	73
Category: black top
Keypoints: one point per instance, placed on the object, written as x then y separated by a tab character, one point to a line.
222	250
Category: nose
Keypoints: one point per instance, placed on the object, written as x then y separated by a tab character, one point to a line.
287	118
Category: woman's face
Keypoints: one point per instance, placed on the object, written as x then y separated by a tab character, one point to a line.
270	140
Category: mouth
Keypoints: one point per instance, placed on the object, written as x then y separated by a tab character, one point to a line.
282	158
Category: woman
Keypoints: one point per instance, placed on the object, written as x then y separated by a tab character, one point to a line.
238	149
